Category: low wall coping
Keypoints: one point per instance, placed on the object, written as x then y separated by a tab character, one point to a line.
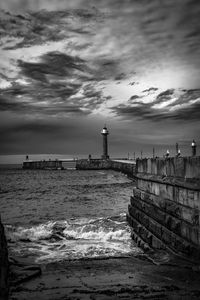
192	184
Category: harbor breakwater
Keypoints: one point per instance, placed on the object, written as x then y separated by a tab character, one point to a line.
126	167
164	210
43	164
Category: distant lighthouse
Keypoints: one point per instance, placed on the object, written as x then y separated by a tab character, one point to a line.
105	133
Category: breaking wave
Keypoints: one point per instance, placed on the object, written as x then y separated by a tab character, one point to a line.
72	239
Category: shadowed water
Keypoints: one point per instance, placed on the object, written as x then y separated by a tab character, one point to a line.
70	214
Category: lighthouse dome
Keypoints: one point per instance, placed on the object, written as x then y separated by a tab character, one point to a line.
104	131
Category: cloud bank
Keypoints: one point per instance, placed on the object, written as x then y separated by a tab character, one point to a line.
122	61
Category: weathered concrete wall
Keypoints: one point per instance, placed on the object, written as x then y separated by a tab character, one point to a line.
124	167
43	164
165	207
99	164
4	266
184	167
93	164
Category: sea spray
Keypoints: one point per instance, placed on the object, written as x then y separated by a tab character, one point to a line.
73	239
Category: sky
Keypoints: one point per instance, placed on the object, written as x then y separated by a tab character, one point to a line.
69	67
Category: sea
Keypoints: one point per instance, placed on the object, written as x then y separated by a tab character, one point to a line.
56	215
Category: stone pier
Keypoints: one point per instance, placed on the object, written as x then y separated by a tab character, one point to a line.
164	210
43	165
125	166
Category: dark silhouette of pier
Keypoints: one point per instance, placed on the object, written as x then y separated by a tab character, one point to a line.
51	164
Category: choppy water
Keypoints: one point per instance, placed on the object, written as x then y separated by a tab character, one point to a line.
70	214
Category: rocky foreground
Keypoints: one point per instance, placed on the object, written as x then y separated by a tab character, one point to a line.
113	278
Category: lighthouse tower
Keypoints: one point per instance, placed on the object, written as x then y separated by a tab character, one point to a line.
105	133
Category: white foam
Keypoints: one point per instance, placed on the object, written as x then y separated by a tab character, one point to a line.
34	233
97	234
74	239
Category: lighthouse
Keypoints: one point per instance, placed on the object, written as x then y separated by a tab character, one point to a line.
105	133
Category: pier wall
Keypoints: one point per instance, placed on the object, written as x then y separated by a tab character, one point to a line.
43	164
93	164
164	210
4	265
99	164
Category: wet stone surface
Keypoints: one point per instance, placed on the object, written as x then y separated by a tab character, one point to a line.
112	278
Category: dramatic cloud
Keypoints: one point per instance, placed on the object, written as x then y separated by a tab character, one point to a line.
151	89
55	84
134	63
167	105
35	28
54	63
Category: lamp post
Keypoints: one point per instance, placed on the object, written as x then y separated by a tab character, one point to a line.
167	153
194	147
176	149
179	153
